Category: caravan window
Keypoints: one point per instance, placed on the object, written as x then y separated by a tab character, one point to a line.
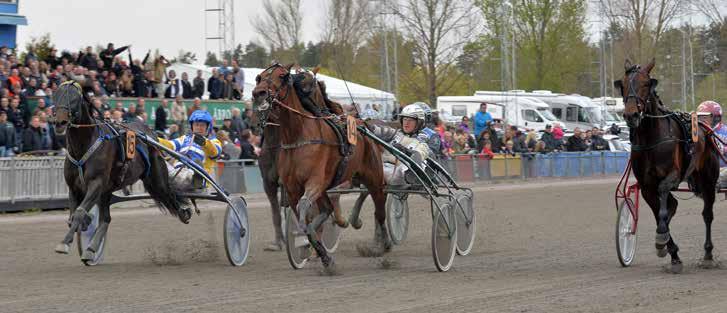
531	116
459	110
571	114
558	112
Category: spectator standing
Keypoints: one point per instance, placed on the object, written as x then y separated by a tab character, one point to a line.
239	75
551	144
508	148
7	136
597	142
130	115
174	86
247	150
33	136
108	55
179	114
224	68
174	132
482	118
558	132
87	59
186	86
577	141
198	85
196	105
518	139
160	116
614	129
531	140
214	85
229	149
232	132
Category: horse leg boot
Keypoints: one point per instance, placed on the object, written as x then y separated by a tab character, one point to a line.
103	227
326	260
662	224
354	219
80	218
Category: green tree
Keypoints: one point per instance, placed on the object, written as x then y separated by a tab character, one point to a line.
311	55
41	46
211	60
255	56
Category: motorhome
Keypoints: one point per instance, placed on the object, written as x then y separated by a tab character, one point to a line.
574	110
524	112
612	109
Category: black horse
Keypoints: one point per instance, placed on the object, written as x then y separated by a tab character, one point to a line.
97	165
663	155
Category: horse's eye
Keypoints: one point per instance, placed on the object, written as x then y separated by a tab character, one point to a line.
257	79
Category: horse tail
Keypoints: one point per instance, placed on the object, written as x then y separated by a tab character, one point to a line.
166	196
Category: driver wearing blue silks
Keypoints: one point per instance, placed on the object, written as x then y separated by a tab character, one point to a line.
199	146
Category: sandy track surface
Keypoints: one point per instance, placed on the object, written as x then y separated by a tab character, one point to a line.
540	247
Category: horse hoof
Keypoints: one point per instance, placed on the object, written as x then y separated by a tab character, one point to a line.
709	264
88	255
342	224
676	268
185	215
357	224
62	248
661	252
329	267
662	239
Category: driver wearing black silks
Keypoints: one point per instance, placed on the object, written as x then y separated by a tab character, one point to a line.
408	140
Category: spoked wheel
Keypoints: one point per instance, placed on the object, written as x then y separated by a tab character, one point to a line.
237	232
283	221
83	239
397	217
331	235
444	237
296	245
625	237
466	226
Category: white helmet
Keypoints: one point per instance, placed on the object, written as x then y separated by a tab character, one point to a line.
413	111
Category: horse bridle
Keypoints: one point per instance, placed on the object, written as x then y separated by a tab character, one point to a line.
263	112
75	114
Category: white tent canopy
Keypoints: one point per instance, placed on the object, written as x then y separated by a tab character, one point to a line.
336	88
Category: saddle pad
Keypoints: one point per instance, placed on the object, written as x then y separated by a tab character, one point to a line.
130	145
351	129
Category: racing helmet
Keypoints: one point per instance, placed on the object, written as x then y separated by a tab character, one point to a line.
427	111
201	116
416	112
711	108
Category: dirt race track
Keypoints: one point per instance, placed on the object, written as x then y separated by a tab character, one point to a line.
540	247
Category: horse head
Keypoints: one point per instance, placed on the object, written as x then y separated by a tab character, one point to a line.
69	106
272	85
638	90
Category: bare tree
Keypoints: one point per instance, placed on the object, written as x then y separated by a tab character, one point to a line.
645	20
714	10
347	22
438	29
280	24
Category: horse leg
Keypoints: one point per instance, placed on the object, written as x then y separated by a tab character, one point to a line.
663	216
708	216
671	246
272	193
80	217
354	219
104	217
381	233
652	199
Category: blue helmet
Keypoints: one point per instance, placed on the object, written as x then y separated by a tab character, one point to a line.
201	116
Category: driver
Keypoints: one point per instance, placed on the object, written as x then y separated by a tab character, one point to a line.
427	134
197	147
710	112
408	139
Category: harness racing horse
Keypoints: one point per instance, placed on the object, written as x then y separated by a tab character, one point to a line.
97	165
663	155
310	160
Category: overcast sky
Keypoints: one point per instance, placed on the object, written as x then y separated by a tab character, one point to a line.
168	25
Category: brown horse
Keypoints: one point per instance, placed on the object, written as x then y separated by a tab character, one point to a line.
662	156
310	157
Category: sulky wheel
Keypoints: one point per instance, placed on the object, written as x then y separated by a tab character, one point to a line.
397	217
237	232
444	236
625	236
83	239
466	222
296	244
331	235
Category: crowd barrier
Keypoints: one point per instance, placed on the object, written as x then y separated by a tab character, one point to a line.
37	182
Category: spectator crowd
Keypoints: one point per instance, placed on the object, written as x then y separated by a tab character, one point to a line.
105	75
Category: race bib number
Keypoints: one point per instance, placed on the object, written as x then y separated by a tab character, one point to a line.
351	129
130	144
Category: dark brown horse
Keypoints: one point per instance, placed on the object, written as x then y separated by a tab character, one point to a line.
95	167
662	156
310	157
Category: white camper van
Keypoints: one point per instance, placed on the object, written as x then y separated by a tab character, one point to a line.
574	110
523	112
612	109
